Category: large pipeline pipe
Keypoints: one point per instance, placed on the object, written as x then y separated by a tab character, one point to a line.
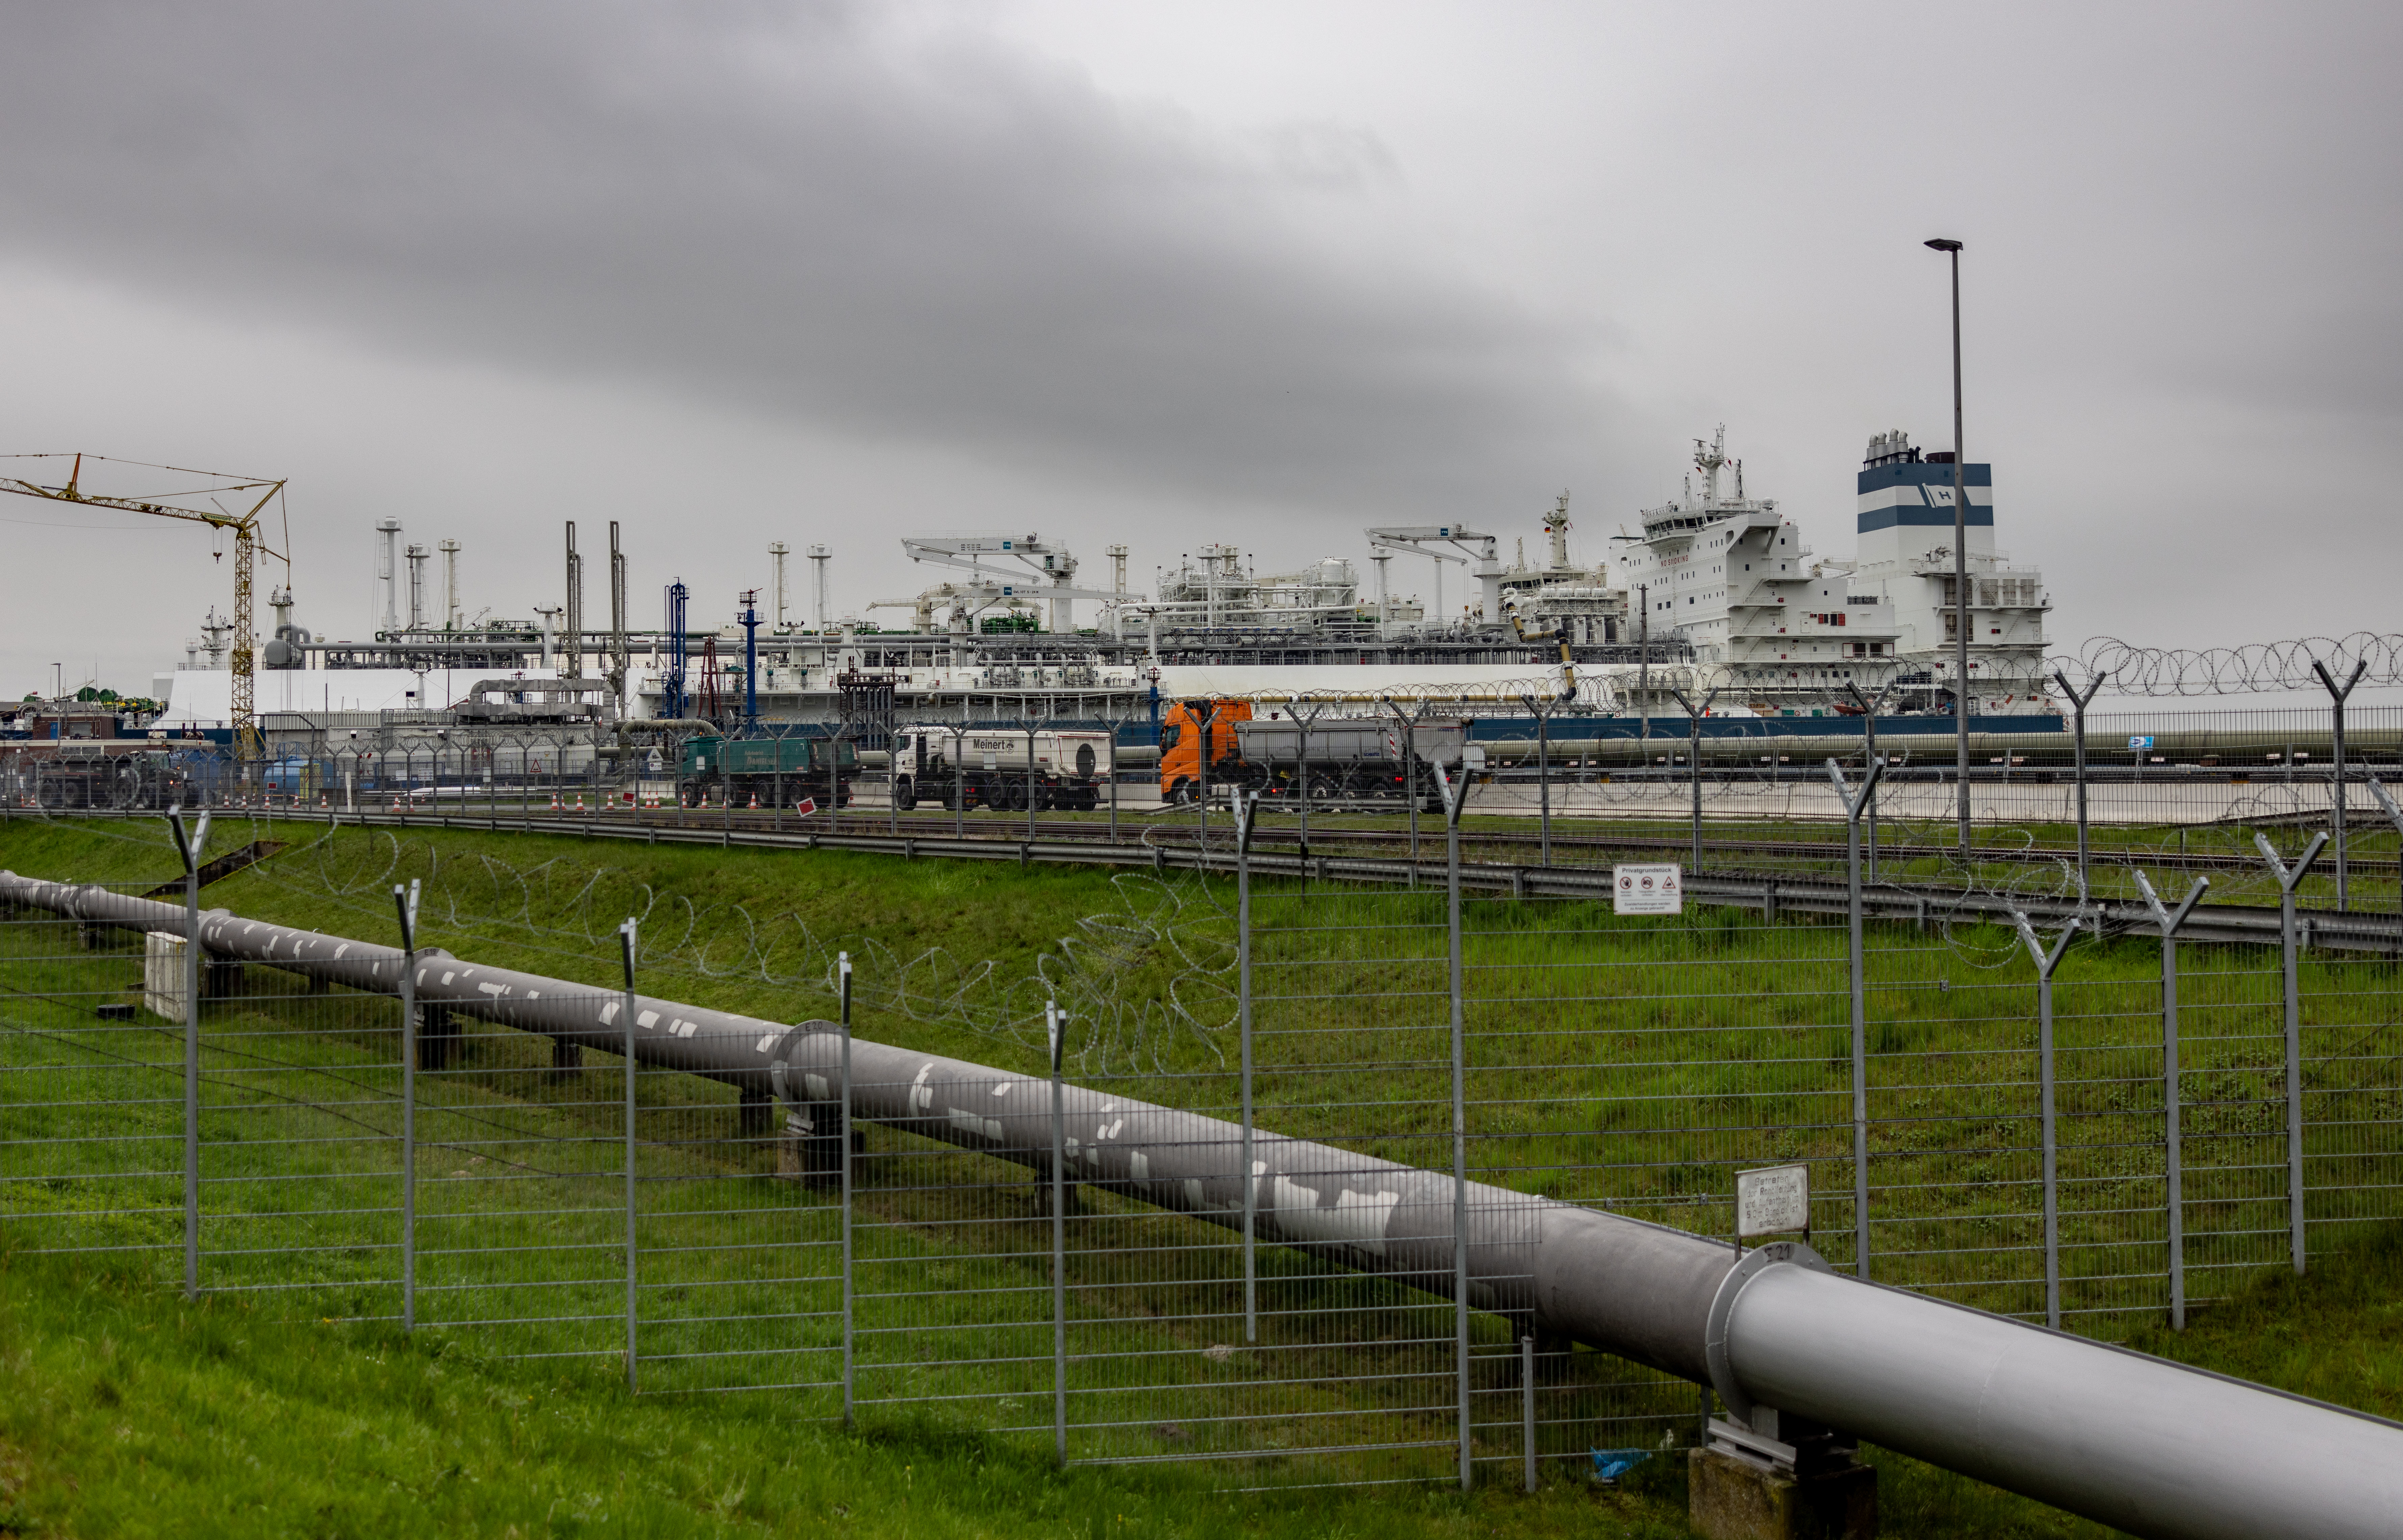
2151	1447
2240	750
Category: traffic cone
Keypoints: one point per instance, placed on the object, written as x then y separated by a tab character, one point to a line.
755	801
554	801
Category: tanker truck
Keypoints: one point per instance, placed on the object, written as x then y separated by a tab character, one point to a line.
988	767
1332	756
1352	756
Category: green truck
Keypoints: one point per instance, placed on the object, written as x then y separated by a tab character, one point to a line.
777	771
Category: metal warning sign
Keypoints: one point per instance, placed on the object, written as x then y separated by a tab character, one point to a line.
1772	1201
1652	888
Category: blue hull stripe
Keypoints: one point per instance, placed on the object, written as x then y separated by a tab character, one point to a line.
1886	518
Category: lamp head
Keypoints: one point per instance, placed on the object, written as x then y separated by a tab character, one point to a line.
1942	244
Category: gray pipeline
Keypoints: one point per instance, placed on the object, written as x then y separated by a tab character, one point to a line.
2137	1442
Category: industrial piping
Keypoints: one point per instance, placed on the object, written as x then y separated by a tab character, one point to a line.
2150	1446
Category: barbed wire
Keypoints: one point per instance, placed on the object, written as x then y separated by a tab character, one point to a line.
2260	668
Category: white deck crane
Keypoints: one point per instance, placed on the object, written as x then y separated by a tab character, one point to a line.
1047	562
1479	553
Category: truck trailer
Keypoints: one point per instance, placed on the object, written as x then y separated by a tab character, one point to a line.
75	775
1349	756
1329	756
777	771
1000	767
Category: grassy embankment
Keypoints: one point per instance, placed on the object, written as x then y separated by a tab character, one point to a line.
126	1413
1694	1032
1626	1061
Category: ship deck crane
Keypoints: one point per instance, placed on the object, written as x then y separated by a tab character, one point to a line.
1480	553
1043	559
246	544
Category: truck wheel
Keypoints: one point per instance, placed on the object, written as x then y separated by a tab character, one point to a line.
905	793
1180	792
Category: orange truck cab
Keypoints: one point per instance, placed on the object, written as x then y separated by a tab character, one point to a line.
1181	746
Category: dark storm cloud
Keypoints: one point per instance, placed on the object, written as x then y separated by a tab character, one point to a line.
852	217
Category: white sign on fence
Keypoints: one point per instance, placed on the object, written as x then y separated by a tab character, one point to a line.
1651	888
1773	1200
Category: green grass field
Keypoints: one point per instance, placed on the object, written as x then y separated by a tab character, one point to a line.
1632	1062
126	1413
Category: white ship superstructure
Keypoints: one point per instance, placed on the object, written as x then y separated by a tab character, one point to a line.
1561	596
1731	575
1905	559
1216	587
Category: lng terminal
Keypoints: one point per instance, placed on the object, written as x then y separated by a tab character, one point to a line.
1713	595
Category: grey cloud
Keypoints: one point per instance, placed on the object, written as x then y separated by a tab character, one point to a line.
826	215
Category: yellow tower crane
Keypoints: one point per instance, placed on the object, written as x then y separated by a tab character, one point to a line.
246	544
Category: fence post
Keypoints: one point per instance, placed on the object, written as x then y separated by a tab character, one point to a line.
2336	803
2394	816
1694	715
1542	712
1855	803
1527	1405
1054	1027
2045	964
1870	706
1118	726
1410	778
2290	877
1247	812
405	899
1206	723
191	847
843	961
2078	706
2169	920
1301	778
1455	793
626	947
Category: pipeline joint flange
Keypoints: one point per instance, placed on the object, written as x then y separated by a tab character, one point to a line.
1714	1335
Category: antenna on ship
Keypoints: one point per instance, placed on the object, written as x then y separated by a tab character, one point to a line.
1708	459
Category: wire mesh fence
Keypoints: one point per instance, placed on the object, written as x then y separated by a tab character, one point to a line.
2058	800
2068	1124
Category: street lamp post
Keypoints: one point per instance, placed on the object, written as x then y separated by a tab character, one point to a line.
1952	249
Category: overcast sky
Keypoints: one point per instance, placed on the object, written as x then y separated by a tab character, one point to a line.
1168	275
